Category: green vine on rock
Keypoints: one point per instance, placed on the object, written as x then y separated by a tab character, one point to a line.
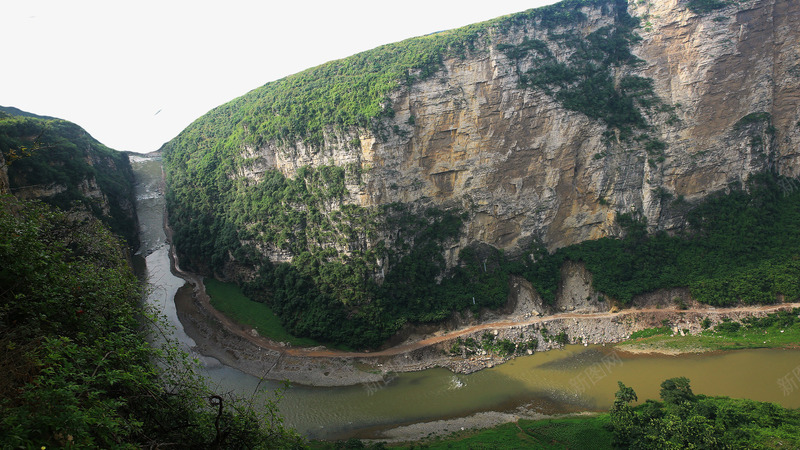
706	6
587	80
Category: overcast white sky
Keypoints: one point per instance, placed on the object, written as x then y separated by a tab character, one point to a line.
135	73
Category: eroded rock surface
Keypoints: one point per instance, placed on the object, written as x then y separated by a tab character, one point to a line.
524	166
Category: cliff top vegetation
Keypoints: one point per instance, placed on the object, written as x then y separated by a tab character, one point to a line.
46	153
353	93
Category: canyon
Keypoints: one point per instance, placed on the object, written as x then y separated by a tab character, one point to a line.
524	166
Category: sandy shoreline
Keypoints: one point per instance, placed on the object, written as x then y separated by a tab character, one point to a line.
446	427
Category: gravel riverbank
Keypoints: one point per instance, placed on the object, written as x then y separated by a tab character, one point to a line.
241	347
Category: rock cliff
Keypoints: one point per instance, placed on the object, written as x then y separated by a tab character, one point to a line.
526	166
408	163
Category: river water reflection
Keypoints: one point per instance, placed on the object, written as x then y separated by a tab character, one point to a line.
573	379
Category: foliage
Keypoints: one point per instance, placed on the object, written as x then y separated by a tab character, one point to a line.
780	319
756	117
315	296
561	338
78	369
229	299
686	420
728	326
44	152
740	247
651	332
706	6
585	81
328	292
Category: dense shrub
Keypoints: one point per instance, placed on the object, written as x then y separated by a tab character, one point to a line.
706	6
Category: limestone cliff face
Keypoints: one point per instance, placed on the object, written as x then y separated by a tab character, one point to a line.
526	167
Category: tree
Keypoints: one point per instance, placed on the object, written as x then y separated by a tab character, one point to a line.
623	419
686	420
676	391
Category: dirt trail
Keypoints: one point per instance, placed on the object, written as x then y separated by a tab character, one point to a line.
248	333
404	348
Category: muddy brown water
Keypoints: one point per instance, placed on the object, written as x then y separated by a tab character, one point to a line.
574	379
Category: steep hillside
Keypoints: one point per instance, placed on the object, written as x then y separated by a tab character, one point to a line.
398	182
60	163
78	368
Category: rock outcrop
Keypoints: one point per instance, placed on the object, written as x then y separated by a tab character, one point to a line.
525	166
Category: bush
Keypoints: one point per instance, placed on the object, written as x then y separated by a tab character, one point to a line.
687	420
728	326
706	6
561	338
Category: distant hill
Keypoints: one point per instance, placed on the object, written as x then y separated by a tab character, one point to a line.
18	112
59	163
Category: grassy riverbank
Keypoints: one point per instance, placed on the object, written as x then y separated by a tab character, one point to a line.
777	330
569	432
229	299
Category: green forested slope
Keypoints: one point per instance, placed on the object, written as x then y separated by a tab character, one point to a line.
45	152
740	247
358	274
77	369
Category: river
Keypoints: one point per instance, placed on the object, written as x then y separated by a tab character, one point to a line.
574	379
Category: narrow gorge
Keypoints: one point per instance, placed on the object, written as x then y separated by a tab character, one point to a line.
415	180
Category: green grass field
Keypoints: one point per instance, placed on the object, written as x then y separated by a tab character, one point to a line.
229	299
563	433
774	336
649	332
